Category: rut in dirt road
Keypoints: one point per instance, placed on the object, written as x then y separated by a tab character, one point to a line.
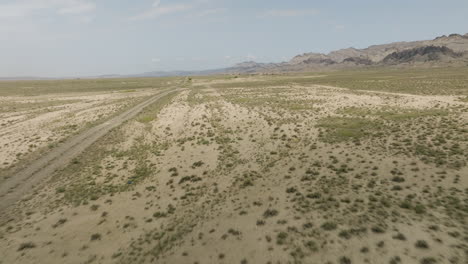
23	181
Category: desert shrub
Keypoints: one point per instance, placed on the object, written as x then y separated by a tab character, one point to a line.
378	229
399	236
405	205
428	260
345	260
197	164
270	213
311	245
420	209
421	244
281	238
398	179
60	222
329	226
26	245
95	237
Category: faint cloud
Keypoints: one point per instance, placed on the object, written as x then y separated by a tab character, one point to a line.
21	16
209	12
157	10
289	12
156	60
77	7
157	3
27	8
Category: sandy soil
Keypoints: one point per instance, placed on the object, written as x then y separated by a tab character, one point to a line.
20	184
43	121
260	175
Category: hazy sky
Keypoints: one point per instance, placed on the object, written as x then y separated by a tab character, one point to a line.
91	37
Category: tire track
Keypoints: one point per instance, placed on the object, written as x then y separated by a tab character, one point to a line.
13	189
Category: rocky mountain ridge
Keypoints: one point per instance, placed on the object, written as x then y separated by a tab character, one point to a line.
441	51
376	53
451	49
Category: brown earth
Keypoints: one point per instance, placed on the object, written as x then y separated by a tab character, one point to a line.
277	174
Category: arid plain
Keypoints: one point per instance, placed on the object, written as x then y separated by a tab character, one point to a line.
365	166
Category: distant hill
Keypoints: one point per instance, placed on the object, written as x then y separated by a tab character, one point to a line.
444	50
441	51
376	53
422	54
23	78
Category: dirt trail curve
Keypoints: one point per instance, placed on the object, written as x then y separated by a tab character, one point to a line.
23	182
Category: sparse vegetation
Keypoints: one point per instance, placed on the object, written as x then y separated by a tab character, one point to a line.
328	226
96	236
421	244
270	162
26	245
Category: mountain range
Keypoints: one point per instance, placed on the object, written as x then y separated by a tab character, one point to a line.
442	51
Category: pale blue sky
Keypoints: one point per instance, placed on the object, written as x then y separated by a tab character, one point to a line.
90	37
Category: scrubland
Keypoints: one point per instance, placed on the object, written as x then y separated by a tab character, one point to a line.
338	167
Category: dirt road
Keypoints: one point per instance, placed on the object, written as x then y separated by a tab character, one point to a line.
24	181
